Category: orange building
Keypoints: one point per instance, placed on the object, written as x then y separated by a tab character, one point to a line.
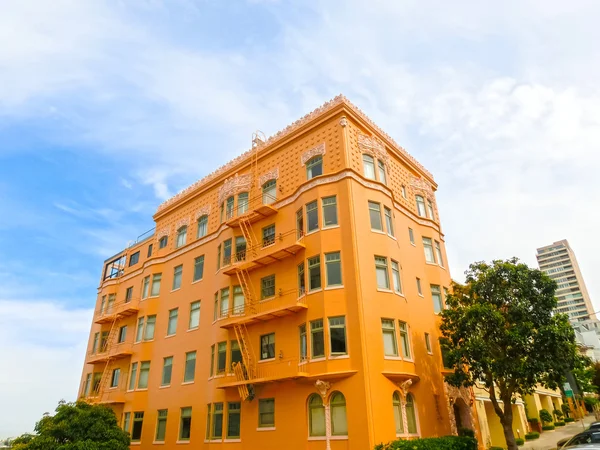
287	300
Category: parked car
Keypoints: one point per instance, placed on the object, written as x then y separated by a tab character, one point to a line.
590	437
595	426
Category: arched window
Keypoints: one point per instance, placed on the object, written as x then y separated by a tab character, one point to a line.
411	414
339	424
269	192
229	212
316	416
398	413
430	209
381	170
314	167
162	242
181	236
369	167
202	226
242	203
420	206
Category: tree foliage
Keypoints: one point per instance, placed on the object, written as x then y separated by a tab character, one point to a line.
499	330
584	373
75	426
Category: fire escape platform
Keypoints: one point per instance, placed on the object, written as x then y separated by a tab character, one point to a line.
266	310
254	215
117	353
270	254
118	311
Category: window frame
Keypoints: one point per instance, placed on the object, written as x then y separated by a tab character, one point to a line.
371	164
161	419
314	263
192	310
389	221
375	207
198	268
405	341
381	266
261	405
265	290
388	326
328	207
177	277
315	161
336	326
266	344
202	226
269	197
166	374
421	210
317	328
332	263
312	208
396	277
170	321
428	250
187	364
181	238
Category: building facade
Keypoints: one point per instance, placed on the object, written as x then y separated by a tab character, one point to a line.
289	299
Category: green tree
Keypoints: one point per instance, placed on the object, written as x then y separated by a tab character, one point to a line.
76	426
499	330
584	373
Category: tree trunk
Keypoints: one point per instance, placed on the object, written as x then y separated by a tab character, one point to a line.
507	422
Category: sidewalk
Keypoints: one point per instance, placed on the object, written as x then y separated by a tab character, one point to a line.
548	439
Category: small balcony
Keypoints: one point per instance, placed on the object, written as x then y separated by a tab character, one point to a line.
266	372
109	395
253	210
120	309
112	352
268	251
282	304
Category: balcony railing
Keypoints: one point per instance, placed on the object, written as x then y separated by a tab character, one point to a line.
111	351
122	308
269	250
252	210
282	304
108	394
264	372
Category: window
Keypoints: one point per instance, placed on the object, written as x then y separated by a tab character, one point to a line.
185	425
436	296
194	315
217	430
381	168
314	273
329	205
167	371
267	346
140	330
114	379
368	167
419	290
126	421
134	259
177	272
234	410
314	167
269	190
429	257
411	416
132	376
438	253
104	341
202	226
316	416
389	224
375	216
266	413
172	326
239	301
128	294
398	413
229	210
301	280
337	335
163	241
219	257
267	287
339	424
221	357
224	302
420	206
240	248
181	237
381	270
428	343
227	252
216	306
88	384
138	421
149	251
333	269
145	287
268	235
317	338
122	334
149	328
144	375
96	382
222	212
404	339
396	277
403	191
155	284
236	353
198	268
430	210
95	344
161	425
312	216
299	223
390	347
212	360
242	203
208	422
190	367
303	342
411	236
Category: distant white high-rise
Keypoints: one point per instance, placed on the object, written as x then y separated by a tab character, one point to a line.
559	263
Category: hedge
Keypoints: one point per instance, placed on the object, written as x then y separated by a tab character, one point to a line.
496	448
441	443
532	420
520	441
531	436
559	424
569	419
548	427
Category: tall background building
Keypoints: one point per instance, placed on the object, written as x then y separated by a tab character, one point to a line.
288	300
559	263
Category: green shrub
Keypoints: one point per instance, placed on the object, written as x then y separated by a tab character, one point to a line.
531	436
569	419
548	427
520	441
545	416
558	414
466	432
565	409
441	443
496	448
559	424
533	420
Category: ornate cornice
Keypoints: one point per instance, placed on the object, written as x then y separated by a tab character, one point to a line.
271	175
185	221
204	211
163	232
421	185
281	135
372	146
309	154
235	184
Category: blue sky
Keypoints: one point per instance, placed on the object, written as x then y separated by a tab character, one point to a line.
109	107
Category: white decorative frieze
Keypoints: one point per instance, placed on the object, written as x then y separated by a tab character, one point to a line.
421	185
318	150
271	175
372	146
185	221
163	232
235	184
204	211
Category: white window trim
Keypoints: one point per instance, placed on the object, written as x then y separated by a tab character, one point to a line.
266	429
